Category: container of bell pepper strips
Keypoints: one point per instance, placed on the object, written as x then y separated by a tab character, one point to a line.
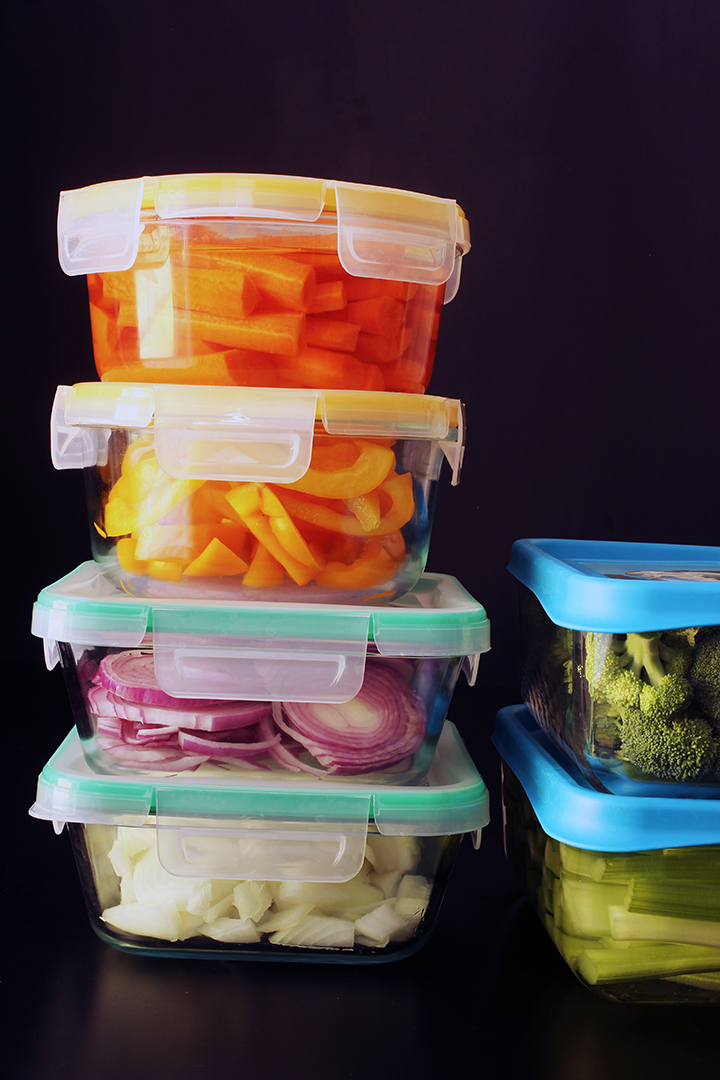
260	689
256	280
241	492
226	869
627	887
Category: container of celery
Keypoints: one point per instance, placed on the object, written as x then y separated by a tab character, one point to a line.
221	868
620	660
627	887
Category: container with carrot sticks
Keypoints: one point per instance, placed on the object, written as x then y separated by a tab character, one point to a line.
261	280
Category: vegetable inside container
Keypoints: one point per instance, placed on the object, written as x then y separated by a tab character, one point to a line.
193	868
317	692
627	888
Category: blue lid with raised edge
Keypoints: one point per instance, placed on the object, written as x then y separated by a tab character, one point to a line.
573	812
617	588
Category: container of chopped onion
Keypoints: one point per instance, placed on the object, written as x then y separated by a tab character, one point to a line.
223	867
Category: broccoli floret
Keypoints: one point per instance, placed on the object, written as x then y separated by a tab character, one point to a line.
679	749
643	701
704	672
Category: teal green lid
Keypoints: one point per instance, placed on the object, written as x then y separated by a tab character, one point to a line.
199	646
573	812
619	588
453	798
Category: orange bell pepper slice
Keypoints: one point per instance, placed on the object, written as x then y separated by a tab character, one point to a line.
216	560
265	571
374	567
246	499
328	479
395	496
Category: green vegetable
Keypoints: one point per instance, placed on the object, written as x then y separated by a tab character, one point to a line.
653	697
619	918
704	673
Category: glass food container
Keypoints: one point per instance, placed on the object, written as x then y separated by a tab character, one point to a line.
190	867
627	887
258	689
620	663
256	280
245	493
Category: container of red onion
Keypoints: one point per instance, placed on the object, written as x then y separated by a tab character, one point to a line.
255	690
225	867
299	495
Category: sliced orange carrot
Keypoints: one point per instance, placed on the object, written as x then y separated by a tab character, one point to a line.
289	282
379	315
375	349
265	571
119	285
281	333
331	333
329	296
374	378
104	330
359	288
323	368
216	560
406	375
325	263
229	292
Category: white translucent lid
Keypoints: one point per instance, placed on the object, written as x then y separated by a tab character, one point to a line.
381	232
242	433
266	828
262	650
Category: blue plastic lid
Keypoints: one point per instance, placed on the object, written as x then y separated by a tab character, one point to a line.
573	812
619	588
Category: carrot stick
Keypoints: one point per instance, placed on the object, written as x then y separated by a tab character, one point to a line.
323	368
281	333
331	333
380	315
230	292
406	376
374	349
367	288
289	282
329	296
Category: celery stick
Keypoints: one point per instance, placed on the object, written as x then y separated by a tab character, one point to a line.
584	906
689	899
656	961
705	980
581	863
628	925
553	862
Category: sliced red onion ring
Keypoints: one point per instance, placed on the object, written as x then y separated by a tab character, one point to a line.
131	676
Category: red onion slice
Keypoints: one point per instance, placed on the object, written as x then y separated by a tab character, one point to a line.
131	676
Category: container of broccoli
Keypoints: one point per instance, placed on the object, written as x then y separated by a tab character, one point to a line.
627	887
620	660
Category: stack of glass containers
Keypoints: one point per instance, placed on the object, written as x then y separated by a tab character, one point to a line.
612	770
258	665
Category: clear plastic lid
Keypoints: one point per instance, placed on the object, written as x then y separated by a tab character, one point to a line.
242	433
263	650
265	829
619	588
572	811
381	232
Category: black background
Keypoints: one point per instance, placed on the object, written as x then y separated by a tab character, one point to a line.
581	139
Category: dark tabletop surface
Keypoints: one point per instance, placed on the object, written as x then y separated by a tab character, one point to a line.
488	992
